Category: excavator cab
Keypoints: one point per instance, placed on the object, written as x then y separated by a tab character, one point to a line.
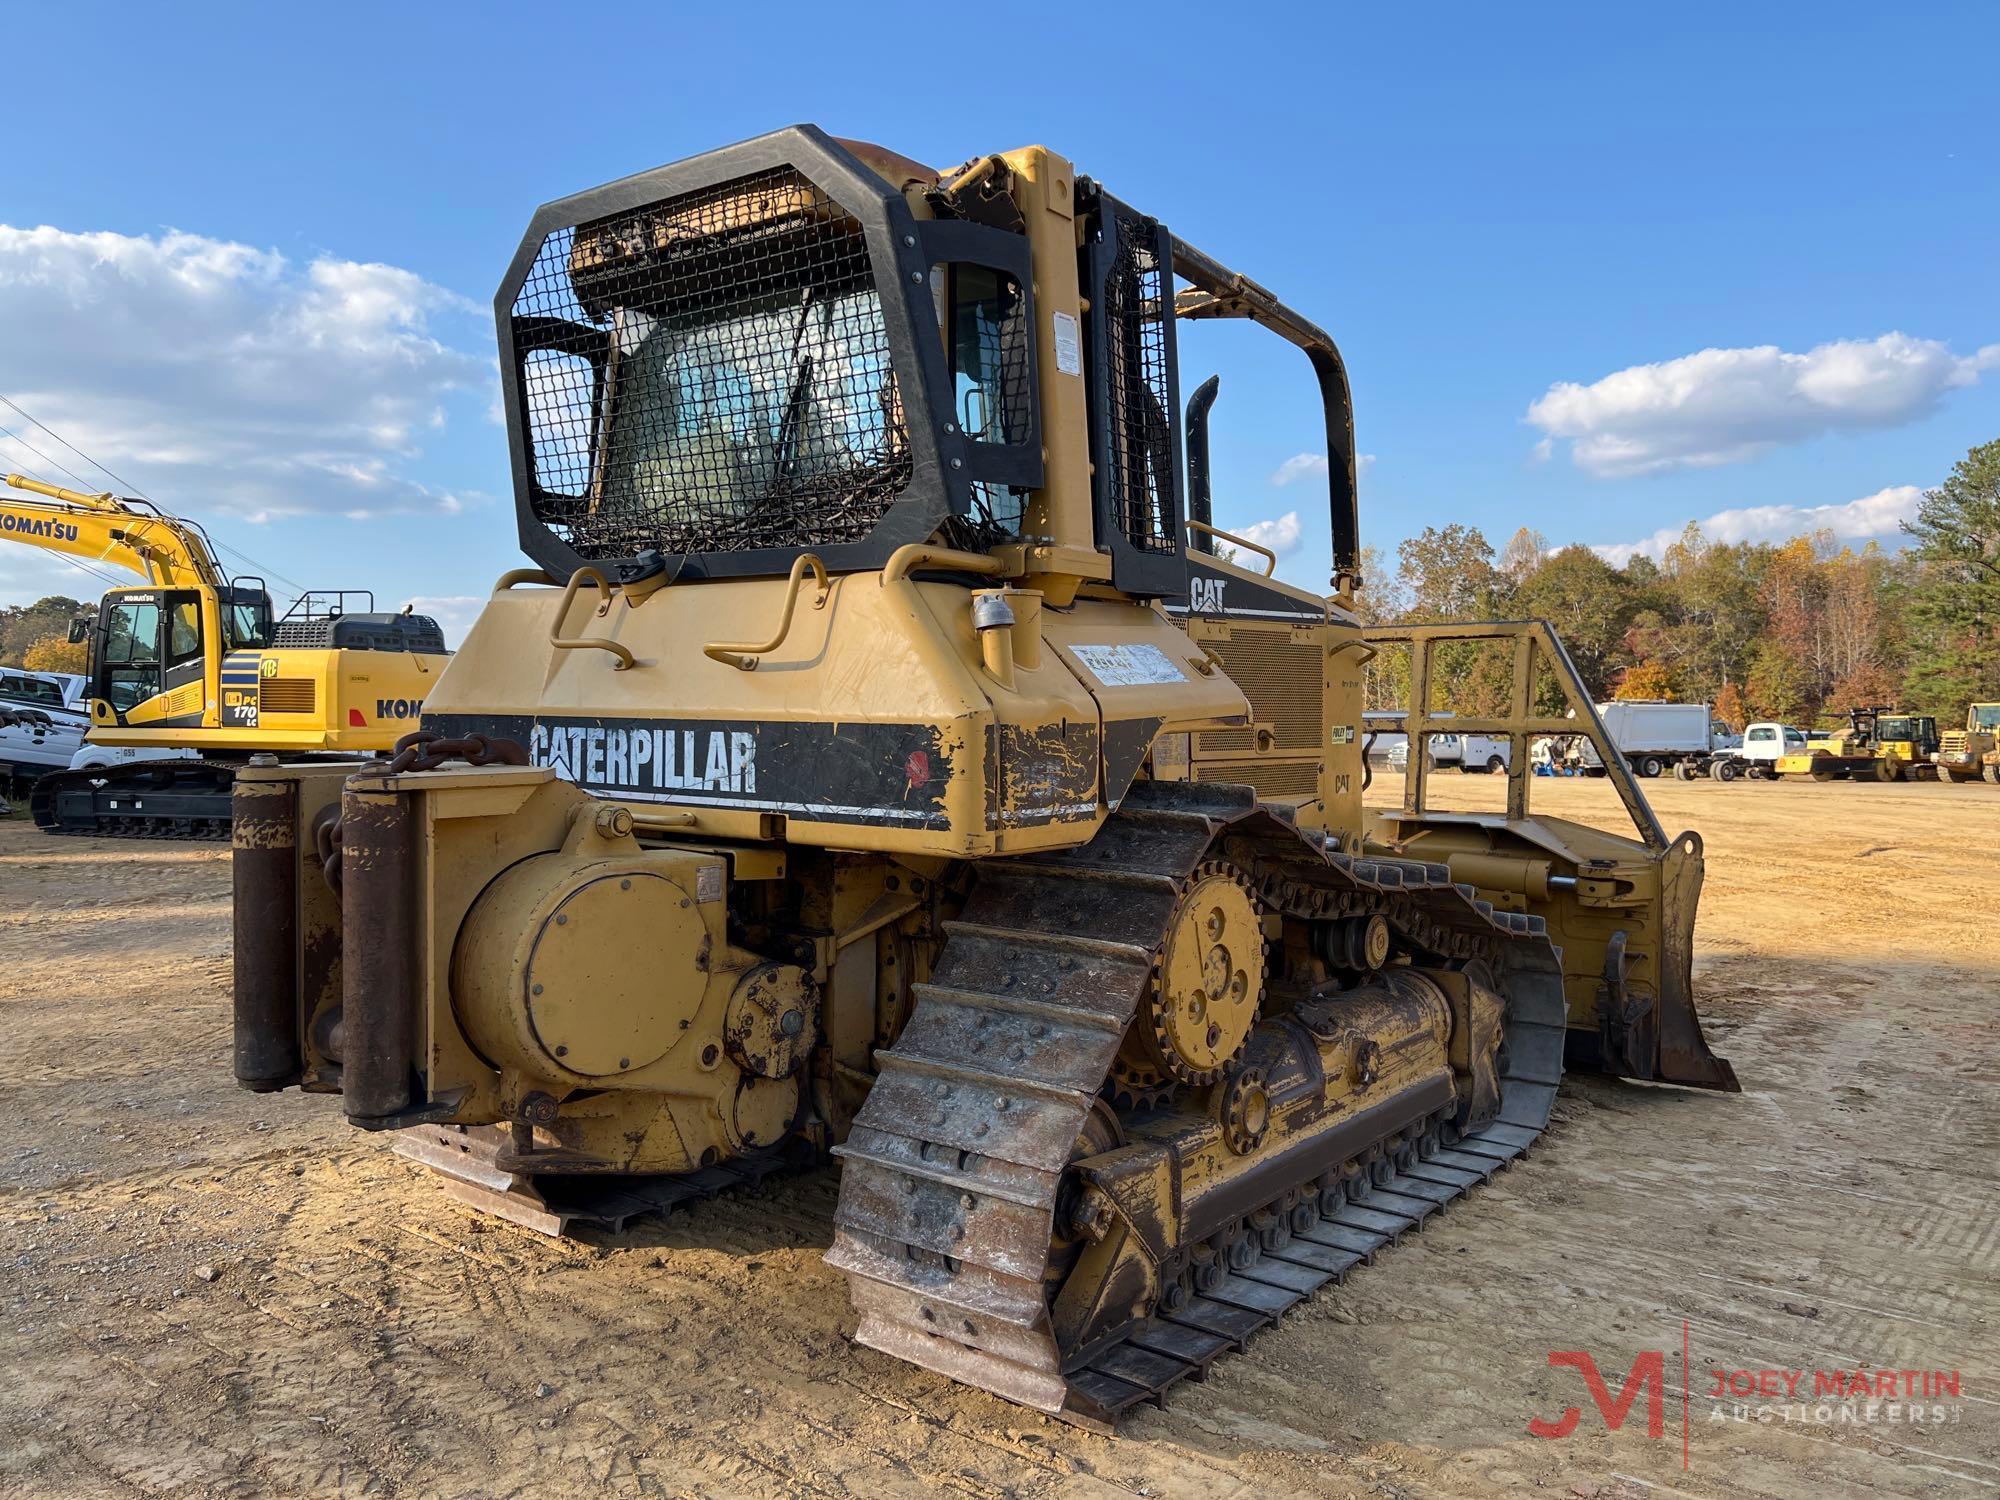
151	648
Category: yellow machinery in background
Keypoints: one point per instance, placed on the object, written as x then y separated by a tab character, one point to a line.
878	759
1974	751
193	661
1878	744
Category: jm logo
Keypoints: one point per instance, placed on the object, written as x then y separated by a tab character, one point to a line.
1205	595
1649	1374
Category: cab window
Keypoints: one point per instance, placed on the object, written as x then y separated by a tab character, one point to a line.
984	317
135	635
247	626
1762	736
183	632
132	654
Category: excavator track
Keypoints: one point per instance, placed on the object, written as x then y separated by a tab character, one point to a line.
949	1200
148	799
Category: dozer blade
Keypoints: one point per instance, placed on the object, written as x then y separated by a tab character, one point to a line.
1684	1055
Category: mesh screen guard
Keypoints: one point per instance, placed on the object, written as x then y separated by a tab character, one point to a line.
715	377
736	358
1135	396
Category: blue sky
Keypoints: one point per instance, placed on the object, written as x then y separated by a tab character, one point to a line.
272	234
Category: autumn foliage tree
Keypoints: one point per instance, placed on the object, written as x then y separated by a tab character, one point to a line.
55	653
22	625
1646	682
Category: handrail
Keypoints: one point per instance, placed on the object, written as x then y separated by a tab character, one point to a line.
1271	558
587	642
743	656
514	576
907	558
1535	646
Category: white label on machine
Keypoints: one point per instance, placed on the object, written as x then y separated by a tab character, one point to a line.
1069	351
1129	666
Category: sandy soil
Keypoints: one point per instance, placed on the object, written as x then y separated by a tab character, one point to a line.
211	1292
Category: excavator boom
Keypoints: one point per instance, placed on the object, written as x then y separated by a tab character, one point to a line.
105	528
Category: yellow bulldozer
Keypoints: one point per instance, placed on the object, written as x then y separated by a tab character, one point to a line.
882	758
192	673
1974	751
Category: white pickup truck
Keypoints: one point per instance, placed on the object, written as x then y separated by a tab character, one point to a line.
31	750
1757	756
1452	750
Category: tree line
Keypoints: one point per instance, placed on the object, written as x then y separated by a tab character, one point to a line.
36	636
1798	631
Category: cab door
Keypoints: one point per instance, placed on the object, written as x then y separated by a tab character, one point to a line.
184	657
129	670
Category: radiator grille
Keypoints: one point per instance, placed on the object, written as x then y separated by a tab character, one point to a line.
711	373
1282	678
1271	778
287	695
1141	440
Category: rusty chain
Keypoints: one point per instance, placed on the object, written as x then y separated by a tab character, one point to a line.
427	750
420	750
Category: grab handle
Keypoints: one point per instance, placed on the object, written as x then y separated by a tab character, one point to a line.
743	656
587	642
1270	557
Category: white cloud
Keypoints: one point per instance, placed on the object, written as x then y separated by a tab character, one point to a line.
455	612
1872	516
1281	535
225	379
1722	406
1300	466
1313	466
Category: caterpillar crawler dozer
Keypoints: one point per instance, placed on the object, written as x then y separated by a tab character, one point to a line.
879	760
193	662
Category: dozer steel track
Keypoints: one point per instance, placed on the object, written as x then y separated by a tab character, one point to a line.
473	1165
948	1207
148	799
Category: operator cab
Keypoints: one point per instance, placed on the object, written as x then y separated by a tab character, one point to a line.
147	643
801	343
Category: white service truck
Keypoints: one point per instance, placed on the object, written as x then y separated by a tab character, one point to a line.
1658	737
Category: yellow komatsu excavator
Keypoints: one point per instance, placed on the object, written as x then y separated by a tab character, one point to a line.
883	758
193	661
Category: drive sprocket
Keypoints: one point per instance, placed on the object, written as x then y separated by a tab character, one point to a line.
1208	983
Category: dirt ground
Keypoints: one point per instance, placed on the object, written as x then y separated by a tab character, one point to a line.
207	1291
